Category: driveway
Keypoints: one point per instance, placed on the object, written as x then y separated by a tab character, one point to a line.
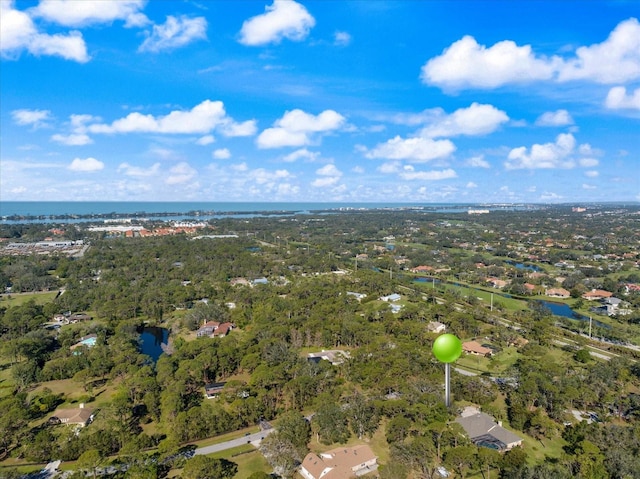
255	439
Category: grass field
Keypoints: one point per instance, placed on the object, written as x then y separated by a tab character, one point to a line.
10	300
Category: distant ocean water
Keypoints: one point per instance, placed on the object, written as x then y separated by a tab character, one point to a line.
52	211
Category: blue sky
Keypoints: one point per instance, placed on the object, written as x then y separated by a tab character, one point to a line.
347	101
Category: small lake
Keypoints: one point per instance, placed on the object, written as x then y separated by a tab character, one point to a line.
529	267
152	340
561	309
426	279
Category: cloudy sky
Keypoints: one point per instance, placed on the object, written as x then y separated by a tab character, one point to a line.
430	101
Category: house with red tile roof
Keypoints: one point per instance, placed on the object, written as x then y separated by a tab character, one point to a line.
421	269
557	293
212	329
473	347
596	295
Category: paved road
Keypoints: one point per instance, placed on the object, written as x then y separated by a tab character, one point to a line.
255	439
464	372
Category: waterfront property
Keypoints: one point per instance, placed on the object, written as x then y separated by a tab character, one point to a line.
557	293
213	329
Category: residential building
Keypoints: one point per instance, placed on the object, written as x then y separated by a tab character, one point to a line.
497	283
88	341
391	298
596	295
421	269
334	356
212	329
358	296
79	417
557	293
213	390
436	327
339	463
473	347
484	431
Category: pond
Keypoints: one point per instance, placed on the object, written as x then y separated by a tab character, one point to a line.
561	309
529	267
153	340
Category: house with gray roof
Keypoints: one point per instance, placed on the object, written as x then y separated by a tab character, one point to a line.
484	431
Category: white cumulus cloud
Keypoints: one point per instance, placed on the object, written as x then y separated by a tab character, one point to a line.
36	118
325	181
555	118
588	162
246	128
329	175
88	164
591	174
74	13
329	170
137	171
468	64
221	154
547	155
615	60
301	154
205	140
477	119
341	39
478	162
180	174
73	139
412	149
296	128
618	99
390	167
283	19
428	175
18	33
174	33
202	118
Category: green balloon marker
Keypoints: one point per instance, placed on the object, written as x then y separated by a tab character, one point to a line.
447	348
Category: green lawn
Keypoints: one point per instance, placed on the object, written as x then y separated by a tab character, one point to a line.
17	299
6	381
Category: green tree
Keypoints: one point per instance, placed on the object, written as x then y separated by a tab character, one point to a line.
488	458
281	454
418	455
513	462
461	458
363	416
295	429
398	429
590	461
330	423
90	460
203	467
